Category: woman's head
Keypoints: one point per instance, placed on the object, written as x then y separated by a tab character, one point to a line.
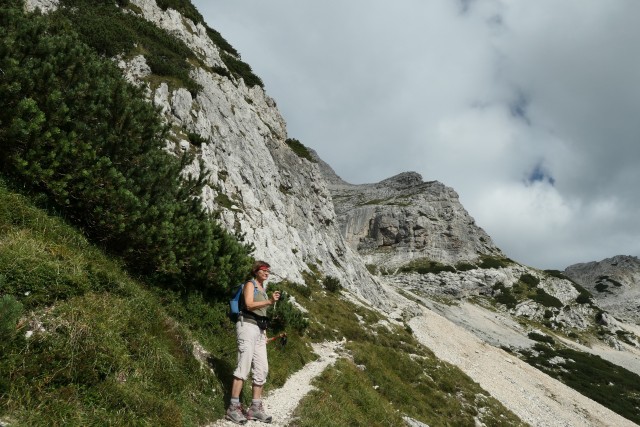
260	266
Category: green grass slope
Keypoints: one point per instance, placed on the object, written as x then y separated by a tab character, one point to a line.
101	349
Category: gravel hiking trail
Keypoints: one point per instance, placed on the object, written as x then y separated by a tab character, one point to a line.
281	402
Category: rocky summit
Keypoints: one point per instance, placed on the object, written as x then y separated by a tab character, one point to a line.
614	283
403	218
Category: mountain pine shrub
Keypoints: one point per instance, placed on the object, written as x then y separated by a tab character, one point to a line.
300	149
487	261
331	284
241	69
109	31
425	265
74	130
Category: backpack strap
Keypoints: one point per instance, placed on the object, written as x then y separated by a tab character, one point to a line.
255	286
255	292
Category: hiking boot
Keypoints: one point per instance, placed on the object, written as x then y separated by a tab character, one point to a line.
256	412
234	414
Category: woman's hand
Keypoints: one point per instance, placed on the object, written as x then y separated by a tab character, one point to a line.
275	296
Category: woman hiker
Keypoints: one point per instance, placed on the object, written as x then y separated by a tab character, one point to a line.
252	346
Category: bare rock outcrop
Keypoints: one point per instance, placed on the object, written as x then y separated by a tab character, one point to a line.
614	283
257	185
403	218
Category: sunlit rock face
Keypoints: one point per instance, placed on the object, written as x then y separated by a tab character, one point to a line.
257	185
403	218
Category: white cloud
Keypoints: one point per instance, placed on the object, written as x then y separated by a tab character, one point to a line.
482	96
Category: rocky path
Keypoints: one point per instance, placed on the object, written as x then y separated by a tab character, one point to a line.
281	403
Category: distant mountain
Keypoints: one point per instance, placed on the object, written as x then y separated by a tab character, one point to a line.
403	218
614	283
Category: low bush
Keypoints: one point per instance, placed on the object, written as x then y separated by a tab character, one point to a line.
542	297
487	262
111	32
74	131
300	149
503	295
331	284
241	69
541	337
465	266
425	265
529	280
185	7
584	296
286	317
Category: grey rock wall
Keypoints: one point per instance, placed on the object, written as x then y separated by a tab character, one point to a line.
403	218
258	185
614	283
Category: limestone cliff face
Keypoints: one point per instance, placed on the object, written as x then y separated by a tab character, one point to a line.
403	218
614	283
258	185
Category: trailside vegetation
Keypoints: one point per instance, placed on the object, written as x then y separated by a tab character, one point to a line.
386	374
74	131
82	343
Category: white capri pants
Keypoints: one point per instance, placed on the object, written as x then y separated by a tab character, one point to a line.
252	350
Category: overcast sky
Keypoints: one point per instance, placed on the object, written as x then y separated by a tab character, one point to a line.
530	110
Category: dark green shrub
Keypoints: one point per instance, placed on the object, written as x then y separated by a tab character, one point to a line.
425	265
503	295
217	38
300	149
196	139
585	296
615	282
602	286
545	299
185	7
608	384
465	266
529	280
493	262
285	316
556	273
541	337
506	297
241	69
111	32
331	284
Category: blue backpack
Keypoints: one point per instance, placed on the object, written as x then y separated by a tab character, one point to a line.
236	303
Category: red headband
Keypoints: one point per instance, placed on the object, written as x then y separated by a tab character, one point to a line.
263	267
